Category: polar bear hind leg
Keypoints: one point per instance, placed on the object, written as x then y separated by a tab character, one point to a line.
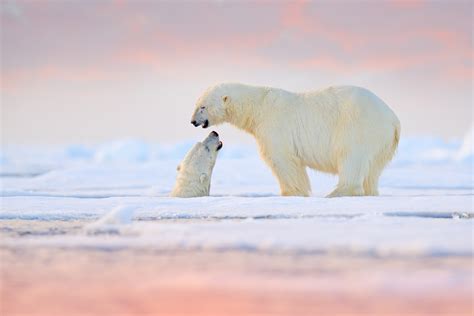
371	182
352	172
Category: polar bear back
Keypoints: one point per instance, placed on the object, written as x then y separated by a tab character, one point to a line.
326	124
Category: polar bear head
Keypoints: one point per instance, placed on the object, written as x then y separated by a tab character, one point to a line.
211	107
195	171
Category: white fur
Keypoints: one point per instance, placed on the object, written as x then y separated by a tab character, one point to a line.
342	130
195	171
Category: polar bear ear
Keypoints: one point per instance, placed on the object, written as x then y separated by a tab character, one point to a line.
203	177
225	98
178	167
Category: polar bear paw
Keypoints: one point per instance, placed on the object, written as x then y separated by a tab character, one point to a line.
347	191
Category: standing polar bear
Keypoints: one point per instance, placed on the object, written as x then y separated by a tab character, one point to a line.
342	130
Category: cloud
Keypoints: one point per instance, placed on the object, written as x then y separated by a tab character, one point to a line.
10	9
375	38
75	40
408	4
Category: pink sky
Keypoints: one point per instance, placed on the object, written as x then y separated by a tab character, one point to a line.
88	71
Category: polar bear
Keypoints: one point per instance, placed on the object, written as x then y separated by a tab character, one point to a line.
195	171
343	130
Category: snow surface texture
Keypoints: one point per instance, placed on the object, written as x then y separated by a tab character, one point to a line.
117	193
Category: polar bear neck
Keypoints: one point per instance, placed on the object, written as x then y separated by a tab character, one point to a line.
188	184
246	106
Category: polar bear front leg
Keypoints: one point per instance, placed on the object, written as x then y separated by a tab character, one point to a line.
291	176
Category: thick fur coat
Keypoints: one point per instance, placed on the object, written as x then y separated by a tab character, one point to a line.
343	130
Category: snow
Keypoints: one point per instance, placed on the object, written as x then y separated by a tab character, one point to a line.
112	222
467	149
117	192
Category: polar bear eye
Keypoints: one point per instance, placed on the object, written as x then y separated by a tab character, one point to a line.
203	107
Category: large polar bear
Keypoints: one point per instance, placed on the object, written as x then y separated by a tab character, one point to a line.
195	171
342	130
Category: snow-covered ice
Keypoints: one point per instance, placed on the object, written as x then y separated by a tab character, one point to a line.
98	219
425	207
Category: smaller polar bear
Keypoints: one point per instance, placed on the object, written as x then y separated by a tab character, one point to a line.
195	171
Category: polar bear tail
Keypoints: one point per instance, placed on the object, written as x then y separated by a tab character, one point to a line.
396	138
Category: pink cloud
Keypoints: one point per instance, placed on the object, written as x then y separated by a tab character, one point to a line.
75	41
15	80
368	40
296	16
408	4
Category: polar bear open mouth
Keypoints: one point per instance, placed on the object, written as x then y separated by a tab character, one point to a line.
213	141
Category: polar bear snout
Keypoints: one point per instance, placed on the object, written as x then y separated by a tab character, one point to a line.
204	125
200	117
212	141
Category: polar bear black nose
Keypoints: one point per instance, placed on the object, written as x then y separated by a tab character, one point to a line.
215	134
194	123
